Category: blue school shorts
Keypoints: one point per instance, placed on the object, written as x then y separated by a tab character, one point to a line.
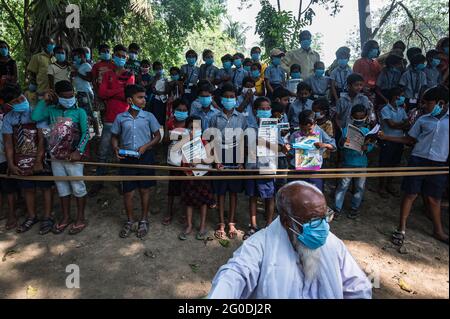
428	185
7	185
146	159
262	188
390	154
221	187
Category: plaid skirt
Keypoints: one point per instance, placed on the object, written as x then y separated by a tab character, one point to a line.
197	193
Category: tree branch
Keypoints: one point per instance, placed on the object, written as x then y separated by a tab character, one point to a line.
13	18
383	20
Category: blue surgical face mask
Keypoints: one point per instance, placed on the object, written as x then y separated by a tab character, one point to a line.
135	107
296	75
446	50
4	51
180	115
50	48
306	44
343	62
209	61
175	77
67	103
400	101
228	104
373	54
21	107
319	115
276	61
88	56
248	68
237	63
160	72
227	65
60	57
105	56
436	62
133	56
437	110
205	101
264	114
191	61
119	62
256	74
359	123
256	57
313	237
319	72
76	60
420	67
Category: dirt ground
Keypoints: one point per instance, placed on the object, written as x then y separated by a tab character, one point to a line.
161	266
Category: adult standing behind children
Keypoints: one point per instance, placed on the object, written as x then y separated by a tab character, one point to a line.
38	67
8	66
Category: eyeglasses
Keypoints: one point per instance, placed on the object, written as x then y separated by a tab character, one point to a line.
316	222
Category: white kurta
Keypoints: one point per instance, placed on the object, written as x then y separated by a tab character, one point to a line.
265	267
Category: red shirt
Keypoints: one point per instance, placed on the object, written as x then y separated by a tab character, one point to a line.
112	91
369	69
98	70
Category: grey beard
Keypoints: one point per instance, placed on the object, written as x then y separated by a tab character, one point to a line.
309	259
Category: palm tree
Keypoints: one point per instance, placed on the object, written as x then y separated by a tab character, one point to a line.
236	30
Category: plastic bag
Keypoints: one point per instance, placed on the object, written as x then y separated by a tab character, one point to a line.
25	147
64	138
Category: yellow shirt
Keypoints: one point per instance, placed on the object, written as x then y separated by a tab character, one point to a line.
259	85
305	59
39	64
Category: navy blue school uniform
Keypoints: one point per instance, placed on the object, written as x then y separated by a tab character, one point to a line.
295	109
413	82
434	76
191	75
134	133
389	78
319	84
222	122
238	77
276	76
339	75
391	152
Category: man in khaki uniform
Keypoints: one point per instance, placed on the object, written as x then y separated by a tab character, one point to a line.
305	56
38	67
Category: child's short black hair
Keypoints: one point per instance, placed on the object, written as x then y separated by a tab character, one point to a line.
179	102
437	93
103	46
368	46
175	69
79	51
431	54
134	47
247	61
254	49
307	117
59	47
280	93
63	86
392	60
145	61
248	79
393	92
296	67
207	52
131	90
227	57
205	86
10	92
303	86
240	55
277	107
120	47
359	108
354	77
156	64
343	53
412	52
318	65
322	103
418	59
191	52
227	87
399	45
259	101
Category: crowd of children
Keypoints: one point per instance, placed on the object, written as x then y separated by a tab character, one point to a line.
47	129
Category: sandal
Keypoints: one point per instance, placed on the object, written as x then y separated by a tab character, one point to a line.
27	225
167	221
60	228
126	230
201	235
232	234
76	229
142	229
251	231
398	238
219	233
46	226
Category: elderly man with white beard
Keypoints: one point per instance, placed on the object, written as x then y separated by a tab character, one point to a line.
296	257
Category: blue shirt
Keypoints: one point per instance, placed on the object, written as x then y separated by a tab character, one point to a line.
389	78
13	118
221	121
135	132
339	75
248	111
191	74
206	116
413	82
275	74
222	73
352	158
295	109
434	76
397	115
345	104
80	84
208	72
319	85
238	77
431	134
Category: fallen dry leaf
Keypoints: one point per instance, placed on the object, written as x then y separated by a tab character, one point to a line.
31	291
404	286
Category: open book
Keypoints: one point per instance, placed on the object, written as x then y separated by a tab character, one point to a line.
356	139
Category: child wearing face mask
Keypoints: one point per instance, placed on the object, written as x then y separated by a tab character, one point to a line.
68	123
258	75
239	73
190	73
60	69
225	74
278	112
176	89
159	88
319	83
82	80
133	64
414	80
246	99
353	159
204	107
321	108
275	75
24	150
174	132
302	103
389	77
340	74
368	66
229	118
434	75
296	78
208	71
101	67
138	134
283	96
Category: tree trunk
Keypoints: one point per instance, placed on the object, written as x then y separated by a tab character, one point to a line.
365	25
279	5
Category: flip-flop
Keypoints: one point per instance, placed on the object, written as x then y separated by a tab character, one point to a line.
183	236
167	221
74	229
201	235
60	228
445	241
